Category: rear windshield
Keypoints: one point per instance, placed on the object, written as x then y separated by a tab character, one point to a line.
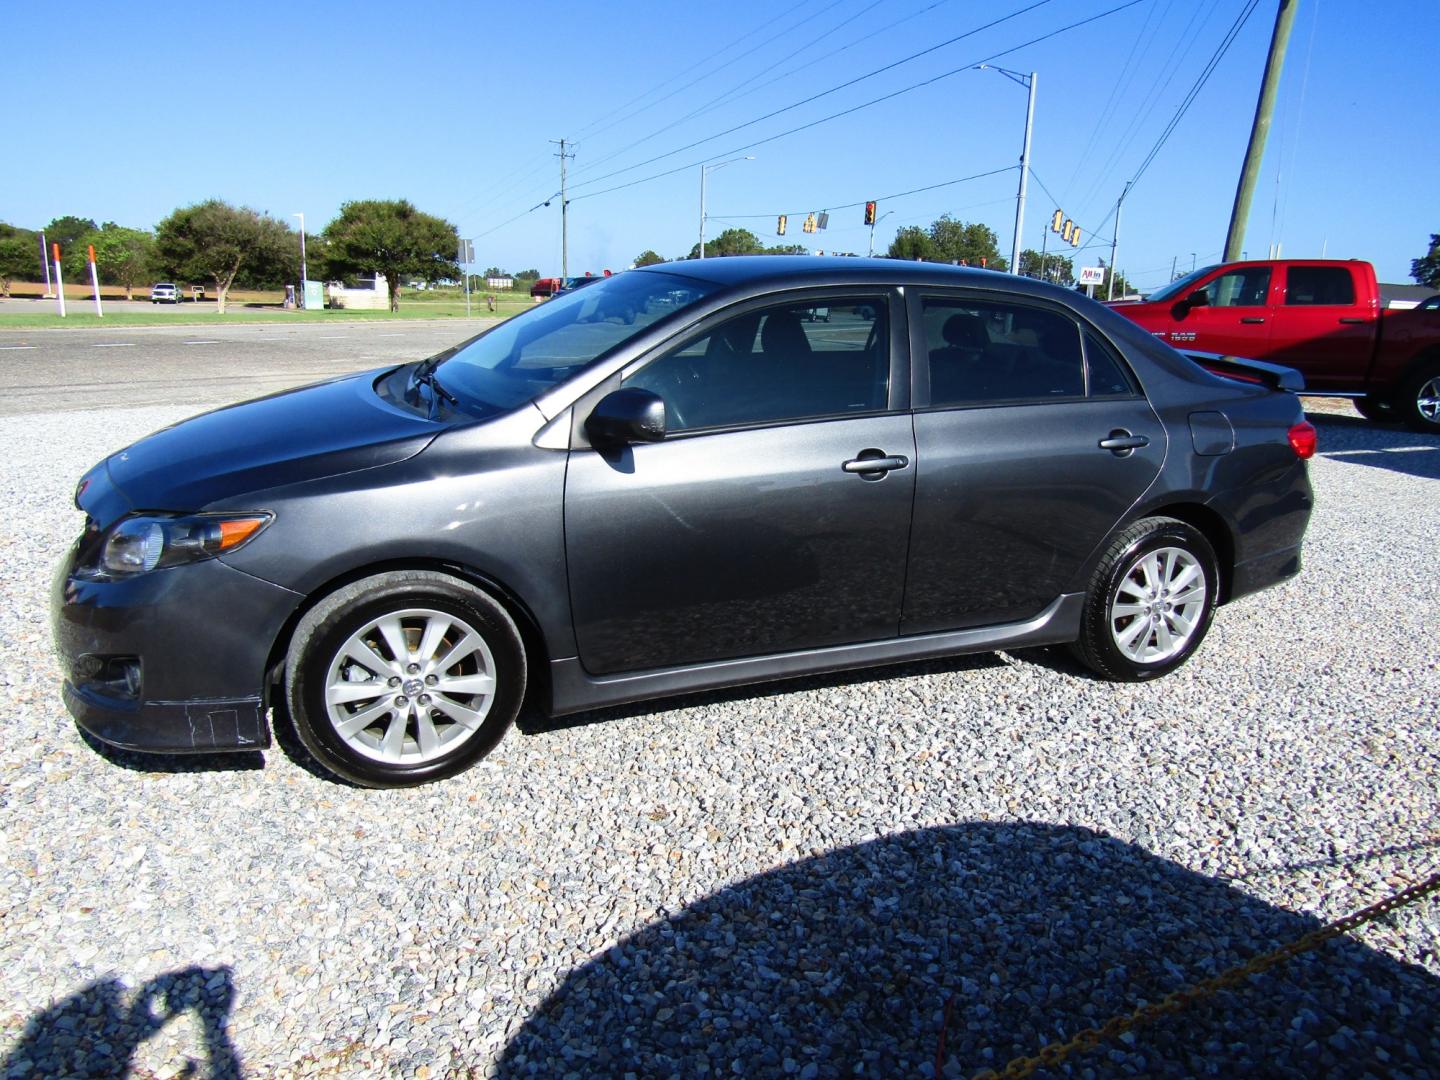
538	349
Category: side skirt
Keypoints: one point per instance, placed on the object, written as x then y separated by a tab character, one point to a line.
573	690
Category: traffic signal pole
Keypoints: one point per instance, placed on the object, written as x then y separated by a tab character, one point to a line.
1024	178
1260	129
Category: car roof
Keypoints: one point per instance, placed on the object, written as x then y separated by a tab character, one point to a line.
799	270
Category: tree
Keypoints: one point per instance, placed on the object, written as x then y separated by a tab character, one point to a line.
1122	287
742	242
972	244
67	231
912	242
1057	268
648	258
391	237
122	256
1427	270
18	259
494	271
213	241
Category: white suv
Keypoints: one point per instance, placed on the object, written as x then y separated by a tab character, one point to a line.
164	293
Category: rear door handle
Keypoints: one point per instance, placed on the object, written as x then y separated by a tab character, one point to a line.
1121	443
1351	319
879	463
1253	319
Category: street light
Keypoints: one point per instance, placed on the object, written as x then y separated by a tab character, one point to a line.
877	221
1027	81
304	276
706	170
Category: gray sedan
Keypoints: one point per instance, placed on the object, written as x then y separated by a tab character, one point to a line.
675	479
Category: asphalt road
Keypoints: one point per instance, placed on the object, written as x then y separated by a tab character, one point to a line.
120	367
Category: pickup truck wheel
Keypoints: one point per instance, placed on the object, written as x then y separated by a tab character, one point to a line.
1381	410
1419	399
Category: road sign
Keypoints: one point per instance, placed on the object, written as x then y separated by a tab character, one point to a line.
1091	275
466	252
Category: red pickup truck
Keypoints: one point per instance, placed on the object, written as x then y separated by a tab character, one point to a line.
1322	317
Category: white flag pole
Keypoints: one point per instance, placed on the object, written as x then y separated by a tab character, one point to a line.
95	281
59	283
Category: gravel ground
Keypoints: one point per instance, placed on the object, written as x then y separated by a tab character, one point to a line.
810	879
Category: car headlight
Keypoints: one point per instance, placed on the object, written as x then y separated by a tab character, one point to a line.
146	542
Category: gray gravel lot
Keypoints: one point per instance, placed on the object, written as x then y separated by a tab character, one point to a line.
801	879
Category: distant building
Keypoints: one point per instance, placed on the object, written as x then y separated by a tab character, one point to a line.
506	282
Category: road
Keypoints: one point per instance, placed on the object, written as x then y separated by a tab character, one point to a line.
124	367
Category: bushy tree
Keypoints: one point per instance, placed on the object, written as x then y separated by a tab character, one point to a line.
1057	268
1426	271
970	243
67	231
215	242
122	256
391	237
743	242
912	242
650	258
19	260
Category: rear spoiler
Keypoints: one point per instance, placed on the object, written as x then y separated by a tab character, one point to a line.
1275	376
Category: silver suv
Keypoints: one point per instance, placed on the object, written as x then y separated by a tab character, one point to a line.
164	292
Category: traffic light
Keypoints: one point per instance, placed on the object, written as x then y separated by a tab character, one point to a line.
809	225
869	213
1056	220
1075	237
1067	230
780	225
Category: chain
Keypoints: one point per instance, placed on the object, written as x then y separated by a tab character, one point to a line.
1052	1055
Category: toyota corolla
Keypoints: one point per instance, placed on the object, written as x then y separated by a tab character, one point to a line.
673	480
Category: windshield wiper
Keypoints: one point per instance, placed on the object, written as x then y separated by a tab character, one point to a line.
425	374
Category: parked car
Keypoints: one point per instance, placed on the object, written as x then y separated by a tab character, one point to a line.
165	292
547	286
588	511
1322	317
571	284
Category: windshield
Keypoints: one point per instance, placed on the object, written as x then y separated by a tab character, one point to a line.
541	348
1179	285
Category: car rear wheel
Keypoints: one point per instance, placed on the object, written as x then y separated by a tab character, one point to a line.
404	678
1150	602
1419	399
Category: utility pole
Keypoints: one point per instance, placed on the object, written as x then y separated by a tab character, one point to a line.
1024	177
1173	261
564	212
702	211
1115	241
1260	129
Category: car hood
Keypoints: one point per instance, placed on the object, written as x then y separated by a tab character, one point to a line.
297	435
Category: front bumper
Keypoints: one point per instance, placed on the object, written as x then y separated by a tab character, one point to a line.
168	662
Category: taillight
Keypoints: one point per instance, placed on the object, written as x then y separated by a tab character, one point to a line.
1302	439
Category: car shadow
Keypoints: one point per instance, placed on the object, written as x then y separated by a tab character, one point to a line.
533	721
1382	446
139	761
97	1030
969	945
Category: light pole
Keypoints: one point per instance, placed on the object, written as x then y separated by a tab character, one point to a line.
706	170
877	221
1027	81
304	275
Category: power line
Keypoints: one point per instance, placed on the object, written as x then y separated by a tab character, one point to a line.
825	93
865	104
884	198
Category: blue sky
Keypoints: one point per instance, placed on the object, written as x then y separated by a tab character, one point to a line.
124	113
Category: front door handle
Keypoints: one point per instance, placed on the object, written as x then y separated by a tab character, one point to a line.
1122	444
1351	319
1252	319
873	464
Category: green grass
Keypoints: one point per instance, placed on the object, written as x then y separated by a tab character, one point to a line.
88	319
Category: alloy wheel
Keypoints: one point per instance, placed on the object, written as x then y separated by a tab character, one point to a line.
1157	606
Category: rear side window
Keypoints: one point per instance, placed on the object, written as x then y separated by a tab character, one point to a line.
981	351
1319	285
1107	373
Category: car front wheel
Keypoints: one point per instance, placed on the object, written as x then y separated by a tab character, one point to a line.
1150	601
404	678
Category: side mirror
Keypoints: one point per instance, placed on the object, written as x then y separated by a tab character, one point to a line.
627	416
1198	298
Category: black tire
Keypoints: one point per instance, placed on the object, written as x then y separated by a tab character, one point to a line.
317	659
1375	408
1416	399
1098	648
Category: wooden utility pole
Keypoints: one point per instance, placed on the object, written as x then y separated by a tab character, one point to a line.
1260	129
564	213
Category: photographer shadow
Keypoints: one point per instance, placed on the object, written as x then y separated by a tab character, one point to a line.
96	1031
971	945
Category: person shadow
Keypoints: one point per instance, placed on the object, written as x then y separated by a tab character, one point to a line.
966	946
96	1031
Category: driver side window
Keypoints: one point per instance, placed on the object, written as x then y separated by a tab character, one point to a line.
787	362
